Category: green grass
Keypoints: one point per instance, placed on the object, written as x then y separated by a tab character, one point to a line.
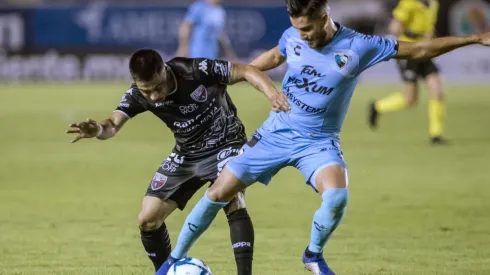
71	208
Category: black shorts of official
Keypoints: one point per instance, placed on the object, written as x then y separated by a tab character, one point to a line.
412	70
179	177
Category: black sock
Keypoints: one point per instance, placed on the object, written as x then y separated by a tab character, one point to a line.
157	245
242	239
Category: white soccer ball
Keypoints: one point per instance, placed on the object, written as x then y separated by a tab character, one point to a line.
189	266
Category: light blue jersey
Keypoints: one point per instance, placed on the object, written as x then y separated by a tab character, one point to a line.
208	22
320	83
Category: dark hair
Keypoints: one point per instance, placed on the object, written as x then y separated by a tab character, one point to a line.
297	8
144	64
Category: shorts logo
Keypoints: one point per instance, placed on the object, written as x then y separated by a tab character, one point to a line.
226	155
341	60
228	152
256	137
158	181
200	94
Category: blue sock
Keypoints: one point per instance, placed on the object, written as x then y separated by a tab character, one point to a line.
327	218
198	220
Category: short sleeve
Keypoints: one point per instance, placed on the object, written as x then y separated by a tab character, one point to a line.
375	49
402	11
193	13
129	106
212	70
282	44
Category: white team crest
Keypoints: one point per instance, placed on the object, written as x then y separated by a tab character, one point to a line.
341	60
203	66
346	62
158	181
200	94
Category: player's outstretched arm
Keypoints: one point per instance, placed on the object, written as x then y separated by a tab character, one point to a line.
269	60
104	130
261	82
435	47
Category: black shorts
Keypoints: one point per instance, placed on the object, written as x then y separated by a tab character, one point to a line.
411	70
179	177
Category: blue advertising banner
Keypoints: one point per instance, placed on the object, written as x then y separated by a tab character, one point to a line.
101	26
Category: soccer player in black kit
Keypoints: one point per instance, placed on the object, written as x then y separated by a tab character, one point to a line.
189	95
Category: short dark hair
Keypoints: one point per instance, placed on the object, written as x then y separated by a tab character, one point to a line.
297	8
145	64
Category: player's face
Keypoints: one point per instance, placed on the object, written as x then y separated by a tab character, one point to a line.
312	29
215	2
157	88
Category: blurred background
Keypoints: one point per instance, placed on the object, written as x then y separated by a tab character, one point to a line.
91	39
71	208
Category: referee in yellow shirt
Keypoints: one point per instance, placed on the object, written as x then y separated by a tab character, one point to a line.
415	20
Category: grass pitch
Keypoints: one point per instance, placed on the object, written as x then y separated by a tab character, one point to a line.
71	208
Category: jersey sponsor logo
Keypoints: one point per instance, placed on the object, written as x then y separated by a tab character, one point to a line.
187	109
203	66
302	105
341	60
309	86
200	94
172	162
158	181
310	70
164	103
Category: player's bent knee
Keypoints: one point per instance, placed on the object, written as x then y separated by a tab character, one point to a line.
148	222
225	188
237	203
336	199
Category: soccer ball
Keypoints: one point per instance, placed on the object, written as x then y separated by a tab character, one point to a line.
189	266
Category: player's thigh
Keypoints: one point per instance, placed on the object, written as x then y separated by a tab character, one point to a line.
263	156
321	162
331	177
176	180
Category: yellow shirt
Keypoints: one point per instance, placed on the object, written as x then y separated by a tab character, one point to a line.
419	18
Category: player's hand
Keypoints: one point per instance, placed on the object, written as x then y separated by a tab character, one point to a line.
485	39
279	102
86	129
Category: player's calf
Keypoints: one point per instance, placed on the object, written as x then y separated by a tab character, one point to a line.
153	230
241	234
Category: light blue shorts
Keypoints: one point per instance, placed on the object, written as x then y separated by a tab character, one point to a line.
267	152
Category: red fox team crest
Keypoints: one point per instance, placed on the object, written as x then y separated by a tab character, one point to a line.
200	94
158	181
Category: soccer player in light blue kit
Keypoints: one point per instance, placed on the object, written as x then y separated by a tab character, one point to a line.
203	31
324	61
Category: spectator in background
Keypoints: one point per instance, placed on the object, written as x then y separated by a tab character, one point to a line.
203	30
